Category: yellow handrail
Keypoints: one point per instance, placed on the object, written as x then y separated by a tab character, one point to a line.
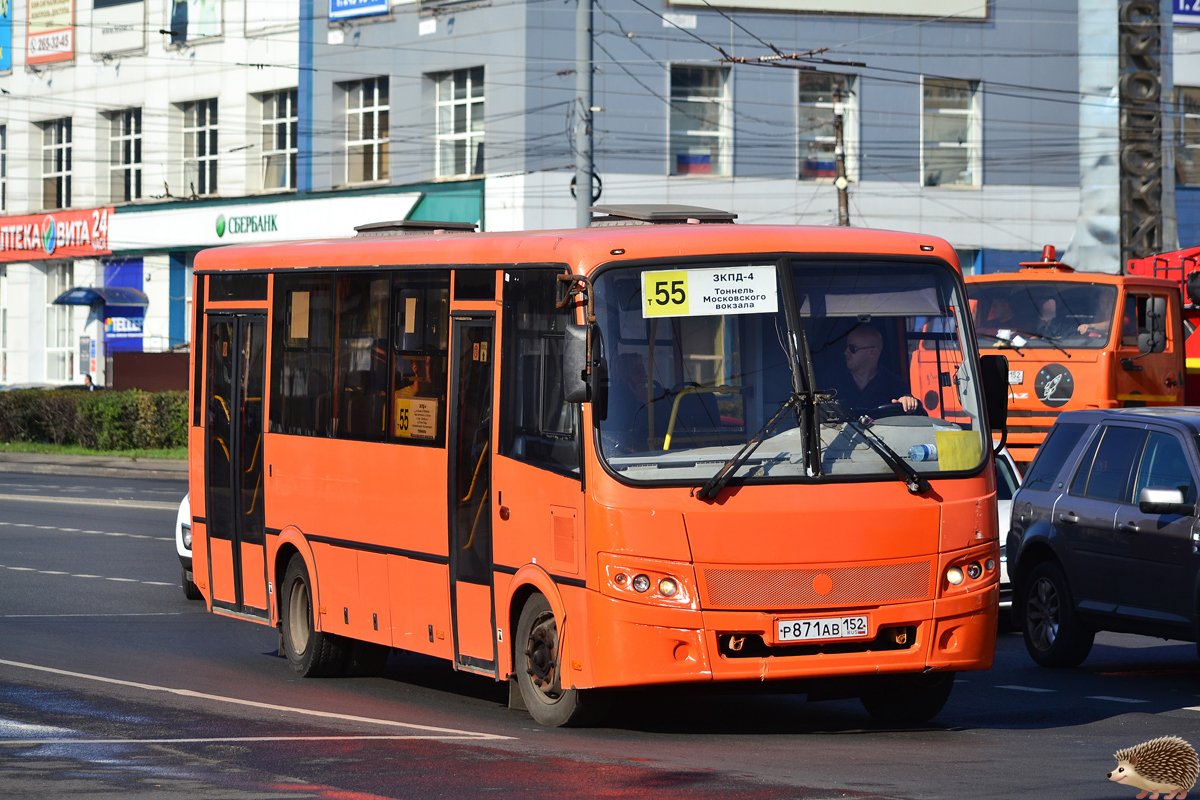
723	389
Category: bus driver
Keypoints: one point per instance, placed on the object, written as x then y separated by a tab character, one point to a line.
867	386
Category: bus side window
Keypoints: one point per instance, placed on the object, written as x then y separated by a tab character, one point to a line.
360	410
537	425
420	342
302	355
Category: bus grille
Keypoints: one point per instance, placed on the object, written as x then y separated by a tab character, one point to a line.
772	588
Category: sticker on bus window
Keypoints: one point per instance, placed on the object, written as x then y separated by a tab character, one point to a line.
416	417
709	292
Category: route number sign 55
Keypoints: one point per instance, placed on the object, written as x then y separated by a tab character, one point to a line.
710	292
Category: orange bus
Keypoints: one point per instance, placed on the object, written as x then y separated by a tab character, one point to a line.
1064	349
608	457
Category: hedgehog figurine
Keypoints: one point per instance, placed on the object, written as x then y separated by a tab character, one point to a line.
1165	765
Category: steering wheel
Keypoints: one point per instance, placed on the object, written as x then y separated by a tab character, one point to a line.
895	410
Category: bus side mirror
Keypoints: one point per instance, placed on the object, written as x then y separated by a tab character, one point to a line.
994	374
581	384
1154	340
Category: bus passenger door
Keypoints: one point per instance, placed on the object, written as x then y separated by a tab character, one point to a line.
470	482
233	472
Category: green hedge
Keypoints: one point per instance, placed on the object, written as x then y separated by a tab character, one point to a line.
96	420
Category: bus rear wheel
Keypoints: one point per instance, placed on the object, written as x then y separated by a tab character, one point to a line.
310	653
908	699
539	677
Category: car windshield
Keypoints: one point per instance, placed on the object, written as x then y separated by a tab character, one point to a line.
1042	314
698	361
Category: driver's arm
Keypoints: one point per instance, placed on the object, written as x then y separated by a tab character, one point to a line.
907	402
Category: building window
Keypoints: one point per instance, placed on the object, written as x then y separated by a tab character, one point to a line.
460	122
279	152
3	167
951	133
1187	136
125	156
56	164
366	130
59	361
700	124
820	94
200	147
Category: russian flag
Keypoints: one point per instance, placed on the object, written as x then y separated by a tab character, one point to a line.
819	169
692	164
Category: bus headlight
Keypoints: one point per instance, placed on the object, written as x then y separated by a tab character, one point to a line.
974	570
648	581
954	575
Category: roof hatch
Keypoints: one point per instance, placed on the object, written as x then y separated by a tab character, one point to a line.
658	214
411	227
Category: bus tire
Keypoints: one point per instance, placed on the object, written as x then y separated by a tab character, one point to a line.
908	699
1054	634
538	674
310	653
190	590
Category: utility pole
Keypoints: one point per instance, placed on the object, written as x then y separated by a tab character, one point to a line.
839	150
583	113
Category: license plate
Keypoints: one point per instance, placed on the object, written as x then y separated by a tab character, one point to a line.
803	630
1016	377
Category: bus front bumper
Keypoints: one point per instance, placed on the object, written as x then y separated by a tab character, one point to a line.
635	644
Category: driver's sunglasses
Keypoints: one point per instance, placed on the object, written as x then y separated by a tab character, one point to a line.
854	348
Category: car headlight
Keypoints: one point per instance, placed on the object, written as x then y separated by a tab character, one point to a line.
187	536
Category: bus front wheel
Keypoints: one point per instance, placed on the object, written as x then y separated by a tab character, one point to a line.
310	653
536	662
908	699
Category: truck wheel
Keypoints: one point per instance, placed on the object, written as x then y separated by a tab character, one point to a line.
310	653
536	662
1054	634
908	699
190	590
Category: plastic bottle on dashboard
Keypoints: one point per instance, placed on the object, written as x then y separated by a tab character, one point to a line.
923	452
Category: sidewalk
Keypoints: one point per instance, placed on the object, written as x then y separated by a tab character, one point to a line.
95	466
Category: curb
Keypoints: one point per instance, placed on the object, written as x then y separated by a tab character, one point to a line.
92	466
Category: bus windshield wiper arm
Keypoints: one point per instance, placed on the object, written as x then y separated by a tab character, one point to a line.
915	483
717	482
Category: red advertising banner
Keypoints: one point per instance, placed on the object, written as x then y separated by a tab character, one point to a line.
72	233
51	34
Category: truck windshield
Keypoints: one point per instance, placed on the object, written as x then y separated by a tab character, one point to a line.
698	360
1042	314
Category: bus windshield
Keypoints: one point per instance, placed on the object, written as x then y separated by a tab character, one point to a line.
1043	314
698	362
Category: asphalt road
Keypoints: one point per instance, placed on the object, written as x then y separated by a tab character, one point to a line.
113	684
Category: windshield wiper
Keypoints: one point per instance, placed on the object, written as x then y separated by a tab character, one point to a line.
914	481
716	483
1054	341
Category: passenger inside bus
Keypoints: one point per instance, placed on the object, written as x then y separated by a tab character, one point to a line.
866	386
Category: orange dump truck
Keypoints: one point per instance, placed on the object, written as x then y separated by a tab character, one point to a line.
1074	340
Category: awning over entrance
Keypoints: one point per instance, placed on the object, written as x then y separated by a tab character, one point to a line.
109	295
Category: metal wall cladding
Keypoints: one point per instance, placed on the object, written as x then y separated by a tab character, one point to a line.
767	588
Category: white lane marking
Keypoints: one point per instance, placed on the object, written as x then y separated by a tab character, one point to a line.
56	572
441	738
1026	689
77	530
1115	699
254	704
61	615
147	505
